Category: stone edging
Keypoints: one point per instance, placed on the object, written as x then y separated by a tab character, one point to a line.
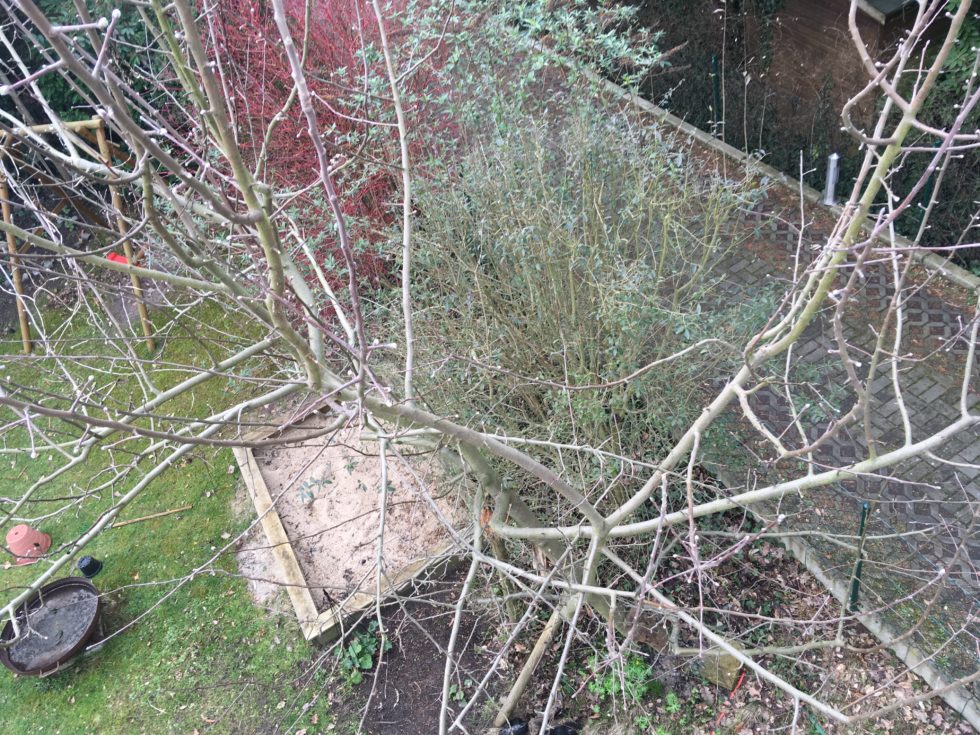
965	706
932	262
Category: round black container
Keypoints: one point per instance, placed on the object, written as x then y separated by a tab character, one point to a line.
89	566
55	624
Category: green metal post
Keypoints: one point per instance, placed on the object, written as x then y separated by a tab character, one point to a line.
927	190
856	582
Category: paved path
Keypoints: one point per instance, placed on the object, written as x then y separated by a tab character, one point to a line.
940	500
936	502
934	494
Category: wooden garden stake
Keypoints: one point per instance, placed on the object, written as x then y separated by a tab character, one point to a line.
106	154
162	513
25	327
75	126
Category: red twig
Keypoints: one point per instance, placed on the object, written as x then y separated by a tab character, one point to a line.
728	701
248	45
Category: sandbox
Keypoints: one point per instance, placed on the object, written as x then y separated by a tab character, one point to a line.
319	502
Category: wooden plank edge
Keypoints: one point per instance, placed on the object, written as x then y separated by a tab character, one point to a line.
282	549
320	627
329	624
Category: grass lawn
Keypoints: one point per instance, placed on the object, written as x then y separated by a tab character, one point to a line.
207	659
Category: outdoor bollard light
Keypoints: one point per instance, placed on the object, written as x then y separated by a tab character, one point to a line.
829	192
89	566
27	544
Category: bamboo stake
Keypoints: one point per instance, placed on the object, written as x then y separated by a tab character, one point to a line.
74	126
25	327
151	516
106	154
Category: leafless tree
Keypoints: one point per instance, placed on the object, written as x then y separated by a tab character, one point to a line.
211	228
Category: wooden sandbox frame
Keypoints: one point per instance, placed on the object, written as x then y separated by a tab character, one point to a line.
322	627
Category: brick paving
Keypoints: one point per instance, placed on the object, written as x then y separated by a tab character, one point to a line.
940	495
938	500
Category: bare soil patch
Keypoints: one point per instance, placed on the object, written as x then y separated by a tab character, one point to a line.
328	494
409	678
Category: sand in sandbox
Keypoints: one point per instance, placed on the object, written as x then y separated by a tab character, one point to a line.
327	491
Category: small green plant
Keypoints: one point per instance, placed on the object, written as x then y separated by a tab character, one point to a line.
309	489
644	724
358	655
673	704
457	693
634	680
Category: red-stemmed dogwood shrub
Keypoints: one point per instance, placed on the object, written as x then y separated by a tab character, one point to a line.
346	75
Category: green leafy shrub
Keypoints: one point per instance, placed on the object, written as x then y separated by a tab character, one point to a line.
575	251
132	53
603	35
